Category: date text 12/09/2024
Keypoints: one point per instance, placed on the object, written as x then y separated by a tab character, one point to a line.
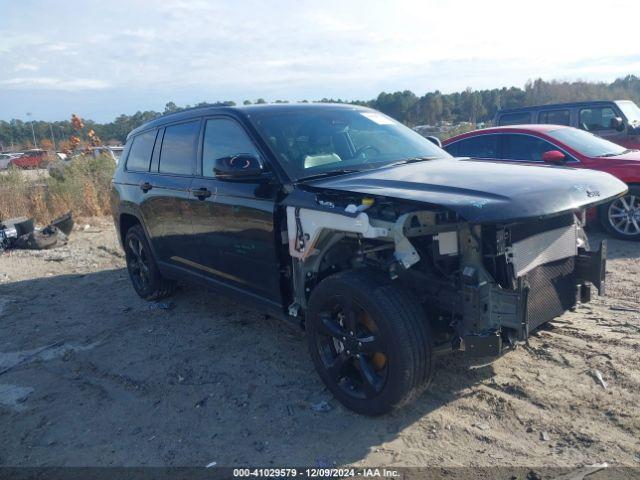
315	472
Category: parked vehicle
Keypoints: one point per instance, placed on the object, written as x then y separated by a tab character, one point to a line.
617	121
4	161
30	159
384	247
112	152
567	146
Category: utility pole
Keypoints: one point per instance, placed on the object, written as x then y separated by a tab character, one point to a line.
53	139
33	132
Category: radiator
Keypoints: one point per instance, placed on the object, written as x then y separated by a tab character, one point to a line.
552	291
543	248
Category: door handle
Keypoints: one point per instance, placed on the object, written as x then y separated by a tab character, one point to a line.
145	187
202	193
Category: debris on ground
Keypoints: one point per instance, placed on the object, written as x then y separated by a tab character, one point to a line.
616	308
31	355
21	233
322	406
481	426
597	374
162	306
544	436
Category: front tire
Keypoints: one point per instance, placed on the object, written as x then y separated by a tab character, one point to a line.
143	270
369	340
621	217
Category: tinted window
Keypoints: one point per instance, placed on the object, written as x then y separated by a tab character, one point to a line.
554	117
482	146
224	138
515	118
179	148
524	147
597	118
452	149
140	153
587	143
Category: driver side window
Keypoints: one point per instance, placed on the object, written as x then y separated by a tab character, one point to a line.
224	137
525	148
596	118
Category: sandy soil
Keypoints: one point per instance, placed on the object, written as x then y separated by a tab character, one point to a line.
97	376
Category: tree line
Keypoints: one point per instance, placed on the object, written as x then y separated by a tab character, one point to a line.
467	106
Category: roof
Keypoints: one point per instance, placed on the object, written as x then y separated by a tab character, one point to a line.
557	105
244	110
535	127
538	128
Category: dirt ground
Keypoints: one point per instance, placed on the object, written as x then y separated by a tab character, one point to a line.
98	377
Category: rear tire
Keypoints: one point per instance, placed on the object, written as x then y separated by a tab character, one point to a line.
621	217
369	340
145	276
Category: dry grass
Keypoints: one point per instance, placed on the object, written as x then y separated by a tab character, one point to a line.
81	186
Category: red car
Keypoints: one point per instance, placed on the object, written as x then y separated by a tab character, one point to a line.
566	146
30	159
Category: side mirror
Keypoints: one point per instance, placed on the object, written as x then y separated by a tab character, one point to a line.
434	140
554	156
617	123
238	166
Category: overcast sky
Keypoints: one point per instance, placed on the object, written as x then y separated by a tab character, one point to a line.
103	58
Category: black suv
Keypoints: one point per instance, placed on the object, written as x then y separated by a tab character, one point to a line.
384	247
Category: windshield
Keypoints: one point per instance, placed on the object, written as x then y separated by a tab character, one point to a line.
314	141
630	110
586	143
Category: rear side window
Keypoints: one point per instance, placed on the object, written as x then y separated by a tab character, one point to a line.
524	148
224	138
597	118
481	146
515	118
140	153
554	117
179	148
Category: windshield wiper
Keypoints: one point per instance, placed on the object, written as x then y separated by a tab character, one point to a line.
615	154
330	173
404	161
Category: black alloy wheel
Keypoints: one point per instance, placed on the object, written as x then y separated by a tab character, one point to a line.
147	280
351	349
138	263
369	340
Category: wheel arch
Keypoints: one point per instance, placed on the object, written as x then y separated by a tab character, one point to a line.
125	222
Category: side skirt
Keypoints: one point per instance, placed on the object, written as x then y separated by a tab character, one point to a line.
247	298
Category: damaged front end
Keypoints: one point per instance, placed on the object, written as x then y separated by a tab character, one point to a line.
517	277
482	285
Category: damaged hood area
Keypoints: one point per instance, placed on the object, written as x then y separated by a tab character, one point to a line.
482	191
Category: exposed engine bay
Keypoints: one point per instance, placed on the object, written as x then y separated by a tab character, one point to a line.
482	285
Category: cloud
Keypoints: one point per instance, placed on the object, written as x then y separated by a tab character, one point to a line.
25	66
50	83
212	50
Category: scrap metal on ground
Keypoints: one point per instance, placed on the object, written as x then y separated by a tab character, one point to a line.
21	233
